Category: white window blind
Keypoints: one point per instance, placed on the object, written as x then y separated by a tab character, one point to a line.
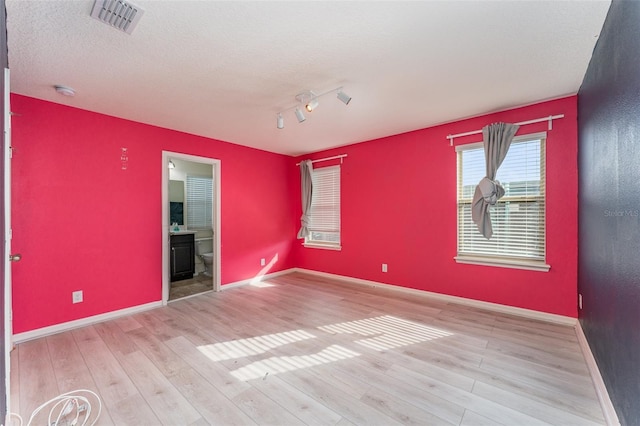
518	218
324	224
199	200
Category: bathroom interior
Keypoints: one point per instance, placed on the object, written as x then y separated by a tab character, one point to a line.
191	228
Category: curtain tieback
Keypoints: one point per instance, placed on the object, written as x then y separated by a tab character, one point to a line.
304	219
491	190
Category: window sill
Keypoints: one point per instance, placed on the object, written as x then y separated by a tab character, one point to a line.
323	246
503	263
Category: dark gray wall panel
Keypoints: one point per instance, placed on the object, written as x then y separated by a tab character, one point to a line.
609	206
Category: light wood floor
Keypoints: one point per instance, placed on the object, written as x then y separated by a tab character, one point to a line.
308	351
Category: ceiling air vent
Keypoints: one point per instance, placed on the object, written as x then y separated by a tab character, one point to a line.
119	14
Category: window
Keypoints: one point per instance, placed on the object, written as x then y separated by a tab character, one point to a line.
199	202
324	223
518	218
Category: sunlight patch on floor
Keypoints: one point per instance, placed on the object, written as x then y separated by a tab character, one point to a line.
378	333
388	332
252	346
282	364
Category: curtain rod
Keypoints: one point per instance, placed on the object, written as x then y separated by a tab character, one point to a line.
522	123
327	159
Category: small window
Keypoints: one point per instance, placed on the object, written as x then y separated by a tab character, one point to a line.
324	224
518	218
199	202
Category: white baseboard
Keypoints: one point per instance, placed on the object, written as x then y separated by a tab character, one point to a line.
609	412
65	326
521	312
257	279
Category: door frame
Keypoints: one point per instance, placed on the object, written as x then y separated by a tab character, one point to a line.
216	164
6	251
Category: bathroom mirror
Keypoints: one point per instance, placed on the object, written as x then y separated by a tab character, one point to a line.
176	202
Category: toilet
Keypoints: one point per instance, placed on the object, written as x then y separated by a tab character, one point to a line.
204	250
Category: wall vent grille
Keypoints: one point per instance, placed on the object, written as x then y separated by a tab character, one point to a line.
118	14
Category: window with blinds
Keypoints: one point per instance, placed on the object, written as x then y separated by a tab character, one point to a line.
199	200
518	218
324	224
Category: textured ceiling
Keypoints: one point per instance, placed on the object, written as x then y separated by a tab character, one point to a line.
224	69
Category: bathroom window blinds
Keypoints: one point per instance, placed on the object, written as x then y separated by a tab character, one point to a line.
199	200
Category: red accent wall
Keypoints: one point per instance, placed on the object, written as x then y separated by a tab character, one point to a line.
399	207
83	223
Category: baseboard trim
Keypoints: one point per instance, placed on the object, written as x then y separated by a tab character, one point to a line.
610	415
70	325
256	280
495	307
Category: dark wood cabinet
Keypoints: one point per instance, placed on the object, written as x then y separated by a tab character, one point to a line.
182	256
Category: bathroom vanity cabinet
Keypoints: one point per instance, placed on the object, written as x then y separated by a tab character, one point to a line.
182	256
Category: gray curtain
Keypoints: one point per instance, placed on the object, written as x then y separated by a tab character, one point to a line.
306	168
497	138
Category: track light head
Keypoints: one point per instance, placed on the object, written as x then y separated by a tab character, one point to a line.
344	97
280	121
299	115
311	105
308	99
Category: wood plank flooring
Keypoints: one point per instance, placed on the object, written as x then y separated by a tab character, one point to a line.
301	350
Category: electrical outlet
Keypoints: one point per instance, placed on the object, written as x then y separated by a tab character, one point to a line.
76	296
579	301
384	267
262	262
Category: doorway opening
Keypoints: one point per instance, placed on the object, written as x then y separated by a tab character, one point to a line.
190	225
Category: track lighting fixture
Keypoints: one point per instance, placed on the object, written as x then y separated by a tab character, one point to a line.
309	100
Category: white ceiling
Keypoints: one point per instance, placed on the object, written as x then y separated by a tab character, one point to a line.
224	69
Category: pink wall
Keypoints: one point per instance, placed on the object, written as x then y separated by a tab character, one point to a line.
83	223
399	207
